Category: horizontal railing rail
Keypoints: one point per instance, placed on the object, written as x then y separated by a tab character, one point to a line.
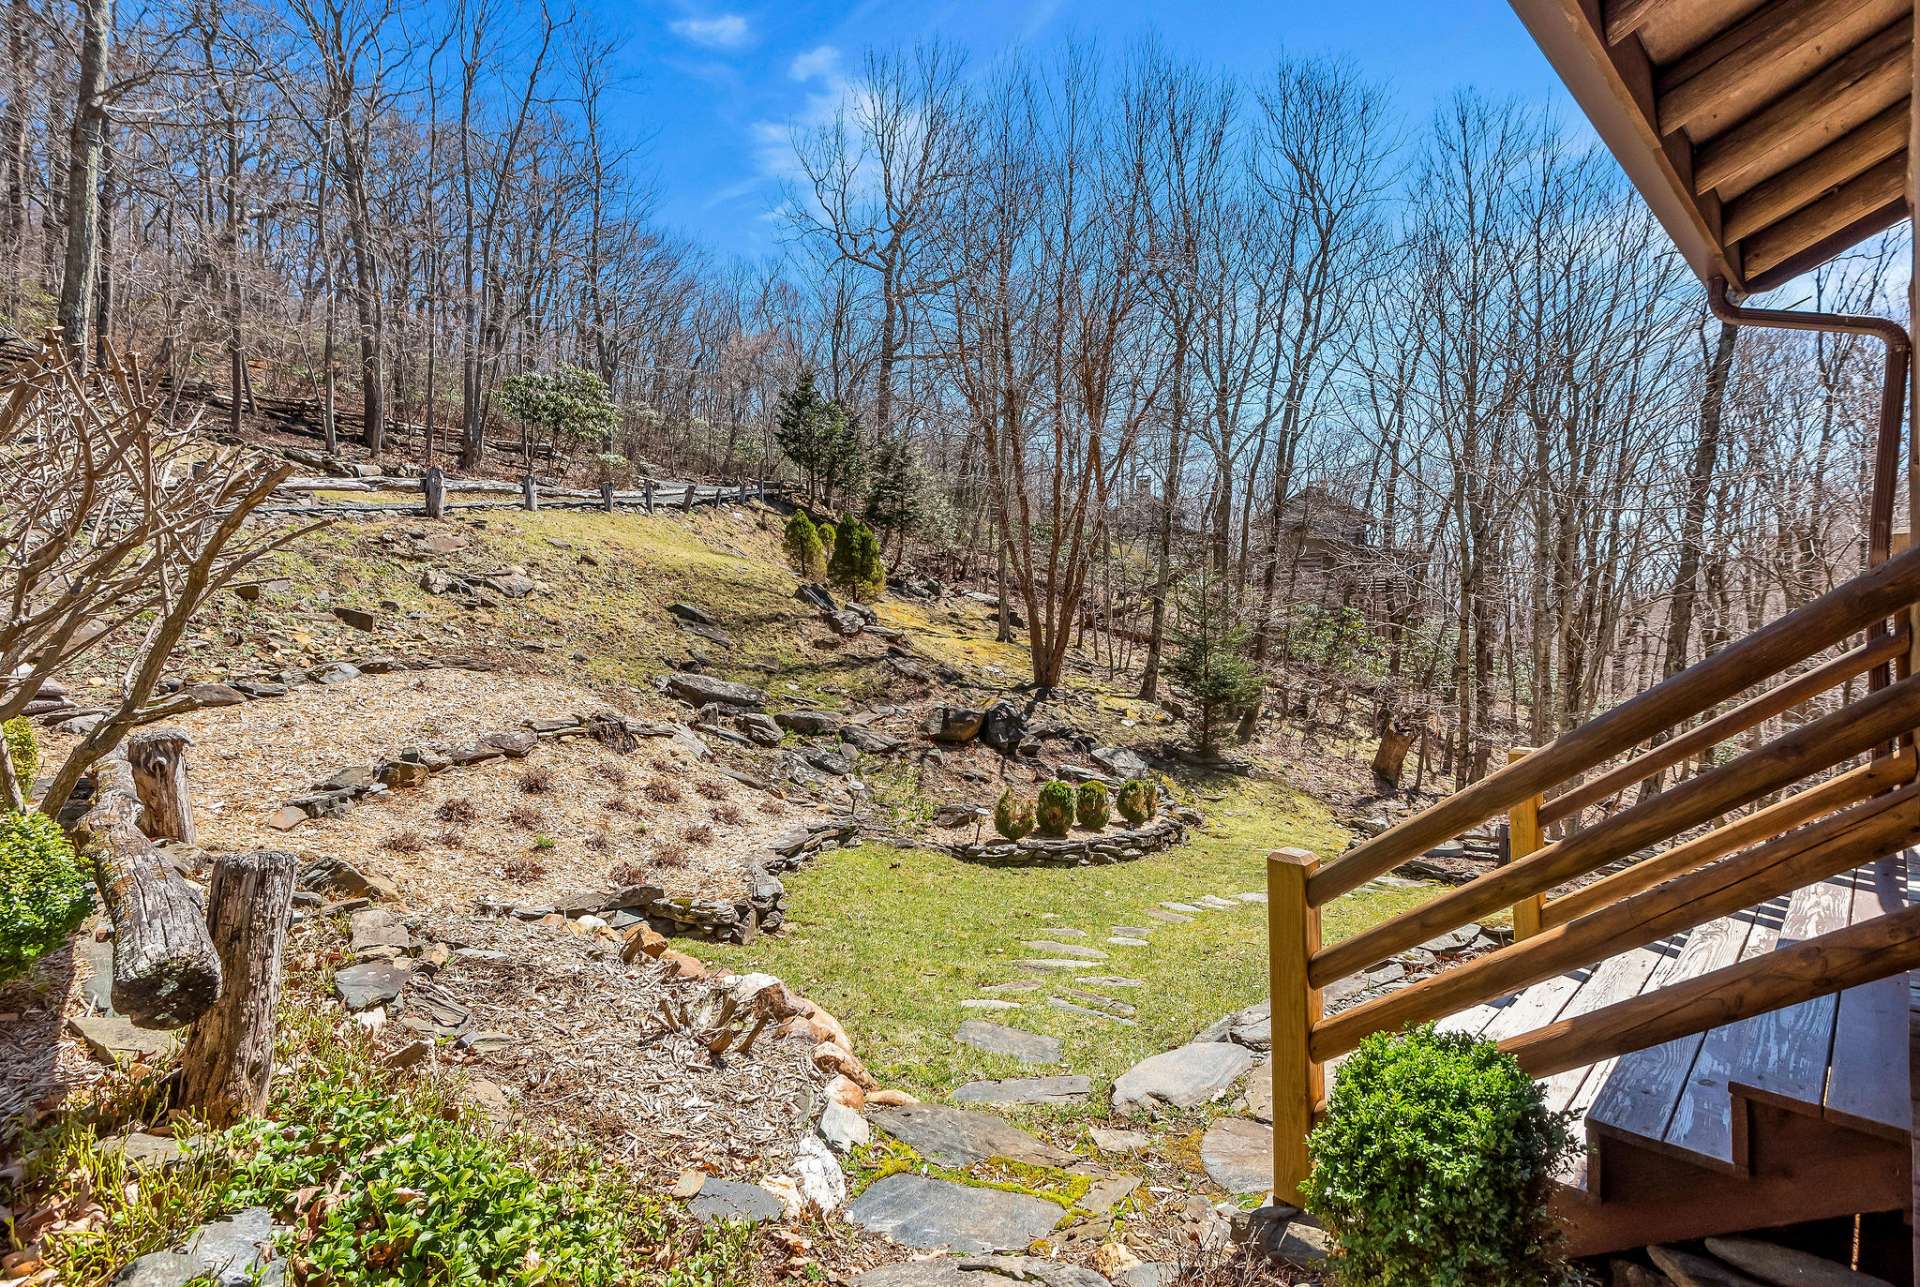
1869	598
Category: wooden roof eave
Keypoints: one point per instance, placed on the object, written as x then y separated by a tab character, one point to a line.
1614	87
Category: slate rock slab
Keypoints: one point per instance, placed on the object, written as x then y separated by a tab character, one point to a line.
1260	1092
1026	1090
990	1271
111	1038
1776	1264
1181	1078
1251	1027
919	1212
957	1137
733	1200
229	1252
997	1038
370	984
1238	1155
698	690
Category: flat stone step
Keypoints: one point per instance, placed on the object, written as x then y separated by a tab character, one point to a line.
1108	981
1045	963
1060	1003
997	1038
1064	949
989	1003
1064	1089
1129	931
1166	917
927	1214
1121	940
1238	1155
1013	985
1252	896
1062	931
1184	1077
1187	909
1099	1002
1214	901
959	1137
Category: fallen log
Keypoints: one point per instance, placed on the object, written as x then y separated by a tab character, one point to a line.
165	970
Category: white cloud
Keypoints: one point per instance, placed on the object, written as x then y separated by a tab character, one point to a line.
722	31
822	60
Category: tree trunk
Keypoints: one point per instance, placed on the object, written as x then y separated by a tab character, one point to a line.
83	176
165	970
228	1060
159	761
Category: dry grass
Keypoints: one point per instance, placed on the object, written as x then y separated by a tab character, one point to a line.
537	780
661	791
671	855
712	791
524	816
609	771
523	868
617	804
773	807
404	841
627	873
728	815
699	833
459	809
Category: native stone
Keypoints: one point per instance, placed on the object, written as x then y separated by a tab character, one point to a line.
698	690
1238	1155
995	1038
920	1212
959	1137
1181	1078
733	1200
989	1271
1026	1090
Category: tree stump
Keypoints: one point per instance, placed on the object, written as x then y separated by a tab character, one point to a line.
434	486
228	1060
1390	758
529	493
165	969
158	757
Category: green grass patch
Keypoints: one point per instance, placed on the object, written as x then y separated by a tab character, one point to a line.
891	941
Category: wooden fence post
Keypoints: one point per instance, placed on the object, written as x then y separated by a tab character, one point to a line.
1293	936
433	485
686	501
1523	838
606	497
760	490
228	1059
159	760
646	494
529	493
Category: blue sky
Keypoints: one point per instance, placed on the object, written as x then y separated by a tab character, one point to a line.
712	87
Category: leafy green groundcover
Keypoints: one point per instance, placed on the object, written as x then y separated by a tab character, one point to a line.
385	1180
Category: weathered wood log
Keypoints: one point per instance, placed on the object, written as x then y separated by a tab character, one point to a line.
165	970
529	493
1874	595
686	497
433	485
228	1060
646	494
606	497
1787	759
1825	170
158	757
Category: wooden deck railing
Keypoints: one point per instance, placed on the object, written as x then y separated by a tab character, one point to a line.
1689	856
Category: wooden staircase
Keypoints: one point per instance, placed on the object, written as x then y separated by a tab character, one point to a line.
1725	1009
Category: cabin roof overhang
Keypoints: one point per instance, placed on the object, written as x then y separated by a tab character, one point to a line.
1768	136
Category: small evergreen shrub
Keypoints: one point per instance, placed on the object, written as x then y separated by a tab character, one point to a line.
855	567
1434	1163
45	891
22	748
1054	809
804	548
829	537
1012	815
1092	806
1135	800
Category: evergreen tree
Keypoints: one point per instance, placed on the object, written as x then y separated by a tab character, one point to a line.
897	497
804	550
1211	660
820	437
856	568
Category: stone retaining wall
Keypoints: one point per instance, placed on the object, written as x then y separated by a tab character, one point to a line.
1152	837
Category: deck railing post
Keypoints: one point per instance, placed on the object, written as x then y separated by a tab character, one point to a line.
1293	936
1523	838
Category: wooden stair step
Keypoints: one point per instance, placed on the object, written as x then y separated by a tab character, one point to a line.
1864	1087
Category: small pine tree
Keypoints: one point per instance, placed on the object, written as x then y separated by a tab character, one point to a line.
1012	815
855	566
1054	809
829	537
1092	805
1135	800
804	550
896	499
1211	662
820	437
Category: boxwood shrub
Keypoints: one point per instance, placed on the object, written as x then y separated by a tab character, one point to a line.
1092	805
1434	1165
1135	800
1012	815
45	891
1054	810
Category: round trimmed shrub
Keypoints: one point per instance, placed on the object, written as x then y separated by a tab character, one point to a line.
1054	809
1092	806
45	891
1135	800
22	749
1012	815
1434	1165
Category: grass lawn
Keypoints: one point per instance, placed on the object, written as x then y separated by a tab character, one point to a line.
891	940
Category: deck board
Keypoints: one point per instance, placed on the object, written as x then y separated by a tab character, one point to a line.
1870	1031
1785	1053
1702	1122
1639	1095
